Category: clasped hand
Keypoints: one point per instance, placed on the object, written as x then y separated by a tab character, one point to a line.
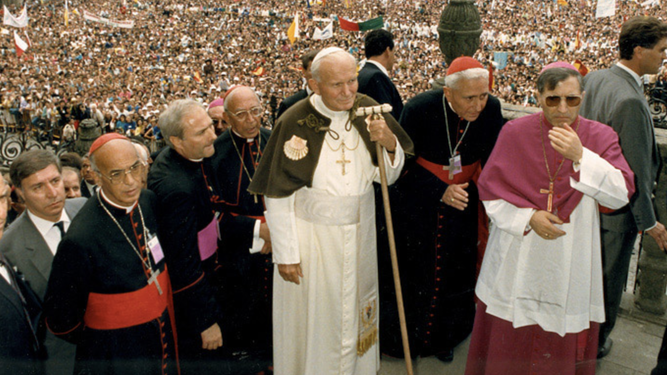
566	142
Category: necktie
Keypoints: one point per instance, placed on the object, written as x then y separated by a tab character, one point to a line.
61	227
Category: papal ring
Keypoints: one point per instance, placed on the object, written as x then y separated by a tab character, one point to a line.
546	235
452	199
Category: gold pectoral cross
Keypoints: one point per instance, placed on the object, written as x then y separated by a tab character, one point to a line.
153	280
342	160
550	199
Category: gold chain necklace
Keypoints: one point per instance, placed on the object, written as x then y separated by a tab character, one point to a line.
550	191
342	161
259	153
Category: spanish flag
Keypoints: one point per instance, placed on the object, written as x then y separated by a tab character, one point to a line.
293	31
583	70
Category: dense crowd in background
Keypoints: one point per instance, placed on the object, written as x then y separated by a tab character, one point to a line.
197	49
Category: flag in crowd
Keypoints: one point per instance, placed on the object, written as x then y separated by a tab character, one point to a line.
372	24
293	31
606	8
326	33
20	44
20	21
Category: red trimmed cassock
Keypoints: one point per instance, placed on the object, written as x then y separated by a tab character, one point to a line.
246	276
99	295
541	299
438	243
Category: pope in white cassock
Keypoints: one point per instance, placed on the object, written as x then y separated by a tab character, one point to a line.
317	174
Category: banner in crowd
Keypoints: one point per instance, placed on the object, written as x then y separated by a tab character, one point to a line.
320	34
20	21
88	16
500	58
606	8
372	24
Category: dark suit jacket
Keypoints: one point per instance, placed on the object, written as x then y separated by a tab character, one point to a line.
614	98
85	192
26	249
18	349
290	101
374	83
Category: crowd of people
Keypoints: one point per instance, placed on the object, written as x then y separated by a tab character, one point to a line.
124	77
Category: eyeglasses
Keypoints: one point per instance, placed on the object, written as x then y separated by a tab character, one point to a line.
572	101
255	111
116	177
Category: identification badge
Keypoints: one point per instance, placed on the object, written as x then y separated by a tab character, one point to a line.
155	249
455	165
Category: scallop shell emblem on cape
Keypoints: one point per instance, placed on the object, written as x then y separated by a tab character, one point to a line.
296	148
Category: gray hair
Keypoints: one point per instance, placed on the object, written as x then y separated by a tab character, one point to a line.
324	54
171	120
31	162
452	80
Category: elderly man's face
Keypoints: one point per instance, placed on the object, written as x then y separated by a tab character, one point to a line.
469	97
564	92
338	82
120	172
72	184
198	136
44	193
239	113
216	114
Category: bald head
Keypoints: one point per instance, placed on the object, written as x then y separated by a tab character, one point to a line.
120	169
243	112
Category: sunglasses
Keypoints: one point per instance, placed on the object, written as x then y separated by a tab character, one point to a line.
553	101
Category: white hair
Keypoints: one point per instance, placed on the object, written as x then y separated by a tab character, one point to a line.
452	80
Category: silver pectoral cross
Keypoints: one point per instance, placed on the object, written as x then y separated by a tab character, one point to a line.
153	280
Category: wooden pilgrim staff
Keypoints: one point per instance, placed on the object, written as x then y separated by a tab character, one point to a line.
376	113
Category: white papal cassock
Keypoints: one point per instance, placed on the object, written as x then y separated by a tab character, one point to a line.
330	230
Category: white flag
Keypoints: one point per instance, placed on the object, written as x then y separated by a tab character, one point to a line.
20	21
606	8
320	34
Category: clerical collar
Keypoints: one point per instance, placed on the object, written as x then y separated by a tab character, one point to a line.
196	160
450	107
380	66
318	103
127	209
634	75
43	225
249	140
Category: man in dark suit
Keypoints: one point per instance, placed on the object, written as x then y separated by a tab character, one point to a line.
615	97
31	241
18	342
306	61
373	77
88	182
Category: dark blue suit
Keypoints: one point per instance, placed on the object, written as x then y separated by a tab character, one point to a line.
374	83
